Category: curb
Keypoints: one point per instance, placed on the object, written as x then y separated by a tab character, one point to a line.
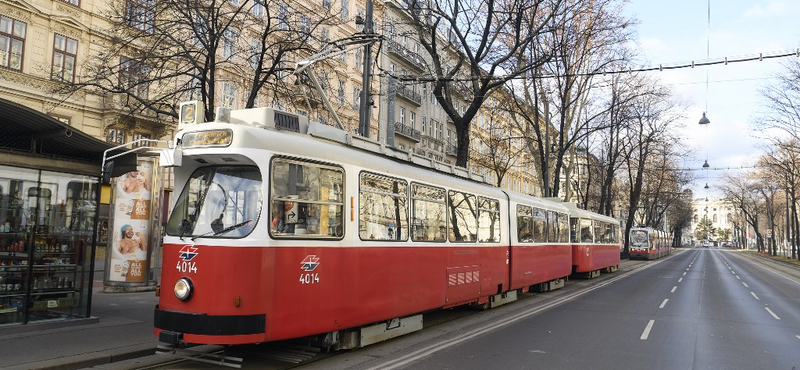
90	359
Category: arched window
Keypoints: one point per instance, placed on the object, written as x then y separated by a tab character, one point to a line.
715	219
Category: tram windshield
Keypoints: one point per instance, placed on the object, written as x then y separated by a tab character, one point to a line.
221	202
639	237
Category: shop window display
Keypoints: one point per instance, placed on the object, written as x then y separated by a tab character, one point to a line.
46	230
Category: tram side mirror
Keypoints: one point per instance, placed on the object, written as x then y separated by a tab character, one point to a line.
118	166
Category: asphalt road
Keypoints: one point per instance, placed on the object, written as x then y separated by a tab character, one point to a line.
700	309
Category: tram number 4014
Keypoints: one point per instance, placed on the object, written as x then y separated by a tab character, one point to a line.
185	267
309	278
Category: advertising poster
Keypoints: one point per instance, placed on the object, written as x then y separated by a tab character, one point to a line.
129	234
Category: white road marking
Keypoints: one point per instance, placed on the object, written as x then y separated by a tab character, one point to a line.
679	280
684	274
754	295
664	303
745	285
673	289
733	272
772	313
687	269
646	332
798	336
737	276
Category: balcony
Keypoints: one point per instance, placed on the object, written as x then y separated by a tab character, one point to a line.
409	94
412	58
451	149
407	131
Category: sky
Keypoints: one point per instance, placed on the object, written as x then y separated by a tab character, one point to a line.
681	31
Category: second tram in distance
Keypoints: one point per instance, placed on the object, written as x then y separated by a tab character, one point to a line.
283	229
648	243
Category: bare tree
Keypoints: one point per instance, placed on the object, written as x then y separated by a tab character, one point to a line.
742	192
656	117
476	47
781	108
587	39
498	149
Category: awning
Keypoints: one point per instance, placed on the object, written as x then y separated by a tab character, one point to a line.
26	130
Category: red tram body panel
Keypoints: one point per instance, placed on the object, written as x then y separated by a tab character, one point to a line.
592	257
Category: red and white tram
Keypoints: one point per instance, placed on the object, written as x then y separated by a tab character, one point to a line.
595	242
284	229
648	243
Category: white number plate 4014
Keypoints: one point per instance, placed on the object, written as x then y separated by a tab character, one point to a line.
186	267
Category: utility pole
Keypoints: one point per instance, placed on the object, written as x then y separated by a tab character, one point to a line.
366	103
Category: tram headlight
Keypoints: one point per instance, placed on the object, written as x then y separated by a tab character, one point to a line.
183	289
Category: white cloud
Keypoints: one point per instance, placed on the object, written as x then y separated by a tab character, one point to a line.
773	8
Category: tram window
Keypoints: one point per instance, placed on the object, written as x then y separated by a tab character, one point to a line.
552	227
306	200
586	231
598	231
221	202
563	228
539	225
488	220
524	224
383	208
429	213
463	223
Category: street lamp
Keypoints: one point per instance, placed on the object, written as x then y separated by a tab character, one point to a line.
704	120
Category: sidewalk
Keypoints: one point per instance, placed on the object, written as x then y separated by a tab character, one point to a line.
121	328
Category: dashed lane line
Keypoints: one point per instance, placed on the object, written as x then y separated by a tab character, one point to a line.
755	296
647	329
673	289
772	313
679	280
664	303
745	285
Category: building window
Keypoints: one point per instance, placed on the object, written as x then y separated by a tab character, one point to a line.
140	137
423	125
283	16
134	77
64	51
140	14
341	92
345	11
411	118
229	43
73	2
359	58
116	136
66	120
258	8
326	4
356	98
402	115
12	42
228	94
305	25
255	52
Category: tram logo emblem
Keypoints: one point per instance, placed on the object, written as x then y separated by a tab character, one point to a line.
310	262
188	252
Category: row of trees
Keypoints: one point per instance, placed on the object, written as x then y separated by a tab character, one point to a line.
766	198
